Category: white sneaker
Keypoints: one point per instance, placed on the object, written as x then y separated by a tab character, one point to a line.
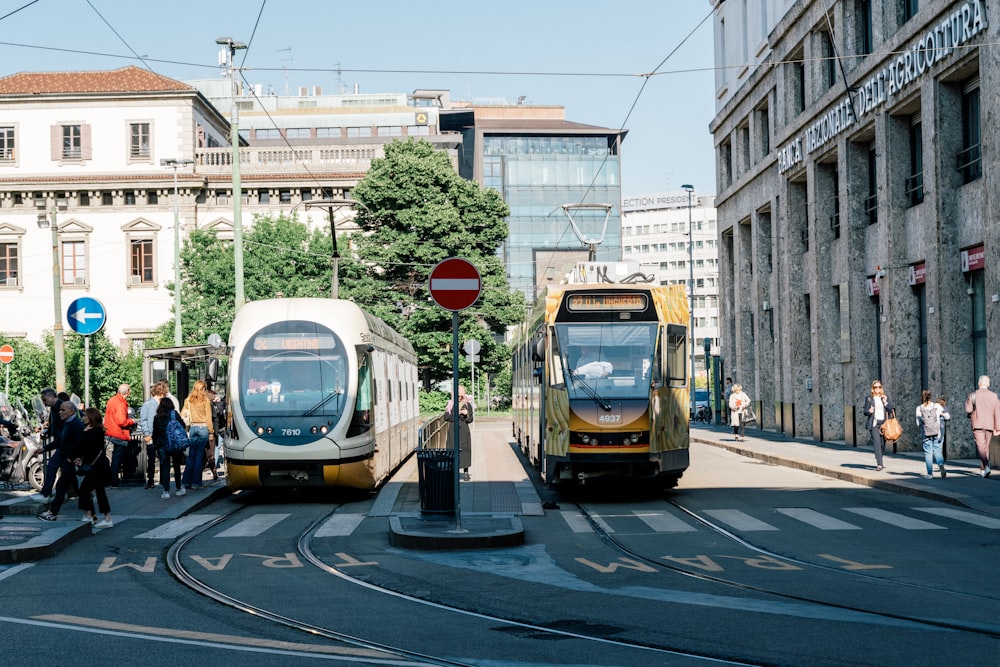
104	523
165	495
180	492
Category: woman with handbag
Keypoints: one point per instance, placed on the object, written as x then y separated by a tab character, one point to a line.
739	403
878	408
94	470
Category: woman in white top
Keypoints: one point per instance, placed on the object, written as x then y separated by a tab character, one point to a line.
738	403
877	409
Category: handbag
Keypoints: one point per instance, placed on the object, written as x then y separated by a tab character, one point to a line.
891	428
84	468
748	416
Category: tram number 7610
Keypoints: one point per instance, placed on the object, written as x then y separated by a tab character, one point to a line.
291	431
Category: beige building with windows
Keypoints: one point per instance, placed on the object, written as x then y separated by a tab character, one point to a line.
856	218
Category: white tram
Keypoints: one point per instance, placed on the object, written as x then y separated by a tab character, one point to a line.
320	393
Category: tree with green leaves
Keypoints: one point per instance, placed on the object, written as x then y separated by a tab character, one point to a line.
414	211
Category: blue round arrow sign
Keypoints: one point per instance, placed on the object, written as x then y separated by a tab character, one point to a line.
86	316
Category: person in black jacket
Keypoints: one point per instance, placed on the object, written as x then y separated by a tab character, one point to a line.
54	435
164	413
95	469
70	449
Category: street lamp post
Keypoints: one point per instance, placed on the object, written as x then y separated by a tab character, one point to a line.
234	135
174	163
690	189
57	327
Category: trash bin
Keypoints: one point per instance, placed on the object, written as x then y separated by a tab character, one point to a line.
436	475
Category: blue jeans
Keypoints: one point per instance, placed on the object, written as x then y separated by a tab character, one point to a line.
116	458
193	471
932	450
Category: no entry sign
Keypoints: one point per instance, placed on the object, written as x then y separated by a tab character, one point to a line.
6	354
455	284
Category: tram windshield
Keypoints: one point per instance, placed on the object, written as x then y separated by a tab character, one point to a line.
605	361
294	368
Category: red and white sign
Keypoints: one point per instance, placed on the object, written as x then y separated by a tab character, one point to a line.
6	354
455	284
918	274
974	259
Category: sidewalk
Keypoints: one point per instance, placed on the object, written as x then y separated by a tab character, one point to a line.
24	537
901	474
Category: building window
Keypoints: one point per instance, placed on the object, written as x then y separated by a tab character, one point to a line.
139	141
914	184
7	153
835	218
263	196
979	362
829	56
327	132
970	157
743	132
9	268
306	194
871	201
864	18
107	199
910	8
359	132
285	196
141	262
763	132
389	131
418	130
152	197
72	142
74	263
129	197
726	163
298	133
268	133
795	73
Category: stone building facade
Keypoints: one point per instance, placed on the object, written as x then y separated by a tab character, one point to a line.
856	211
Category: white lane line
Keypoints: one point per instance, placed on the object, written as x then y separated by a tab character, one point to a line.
961	515
177	527
816	519
893	519
664	523
254	526
340	525
576	522
739	520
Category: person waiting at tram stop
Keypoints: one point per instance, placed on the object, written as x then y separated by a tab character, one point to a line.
592	364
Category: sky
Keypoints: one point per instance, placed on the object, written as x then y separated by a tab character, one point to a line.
588	56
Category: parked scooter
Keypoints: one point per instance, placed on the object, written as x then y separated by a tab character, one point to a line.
20	447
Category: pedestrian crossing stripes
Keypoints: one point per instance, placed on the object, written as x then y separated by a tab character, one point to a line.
344	525
739	520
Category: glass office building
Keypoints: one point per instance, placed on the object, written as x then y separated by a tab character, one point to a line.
538	165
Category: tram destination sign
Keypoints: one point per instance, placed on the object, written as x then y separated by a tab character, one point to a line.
580	303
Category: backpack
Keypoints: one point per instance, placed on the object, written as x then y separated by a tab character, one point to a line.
177	437
930	419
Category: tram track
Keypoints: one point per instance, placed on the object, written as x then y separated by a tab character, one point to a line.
304	548
658	562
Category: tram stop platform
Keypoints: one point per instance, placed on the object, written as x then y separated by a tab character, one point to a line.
24	537
492	499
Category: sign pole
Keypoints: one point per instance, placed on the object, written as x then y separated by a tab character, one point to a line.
86	371
456	431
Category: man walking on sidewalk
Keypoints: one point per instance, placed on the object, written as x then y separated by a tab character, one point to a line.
983	408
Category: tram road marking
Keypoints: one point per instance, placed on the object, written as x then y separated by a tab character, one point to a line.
960	515
340	525
893	519
816	519
212	640
254	526
739	520
664	523
177	527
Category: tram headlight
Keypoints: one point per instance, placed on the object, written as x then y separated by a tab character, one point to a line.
585	439
313	430
634	438
269	430
324	429
260	430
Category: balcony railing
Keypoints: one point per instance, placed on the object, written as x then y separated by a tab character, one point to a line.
914	188
871	208
970	163
304	159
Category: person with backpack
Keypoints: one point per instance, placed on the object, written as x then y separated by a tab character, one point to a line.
929	418
171	457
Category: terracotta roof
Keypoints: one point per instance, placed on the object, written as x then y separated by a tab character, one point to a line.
126	80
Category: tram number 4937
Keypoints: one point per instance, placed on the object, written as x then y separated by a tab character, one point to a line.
609	419
291	431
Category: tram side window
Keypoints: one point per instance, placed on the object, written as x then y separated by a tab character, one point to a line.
675	350
556	362
361	421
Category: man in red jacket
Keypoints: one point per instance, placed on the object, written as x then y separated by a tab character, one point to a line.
117	425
